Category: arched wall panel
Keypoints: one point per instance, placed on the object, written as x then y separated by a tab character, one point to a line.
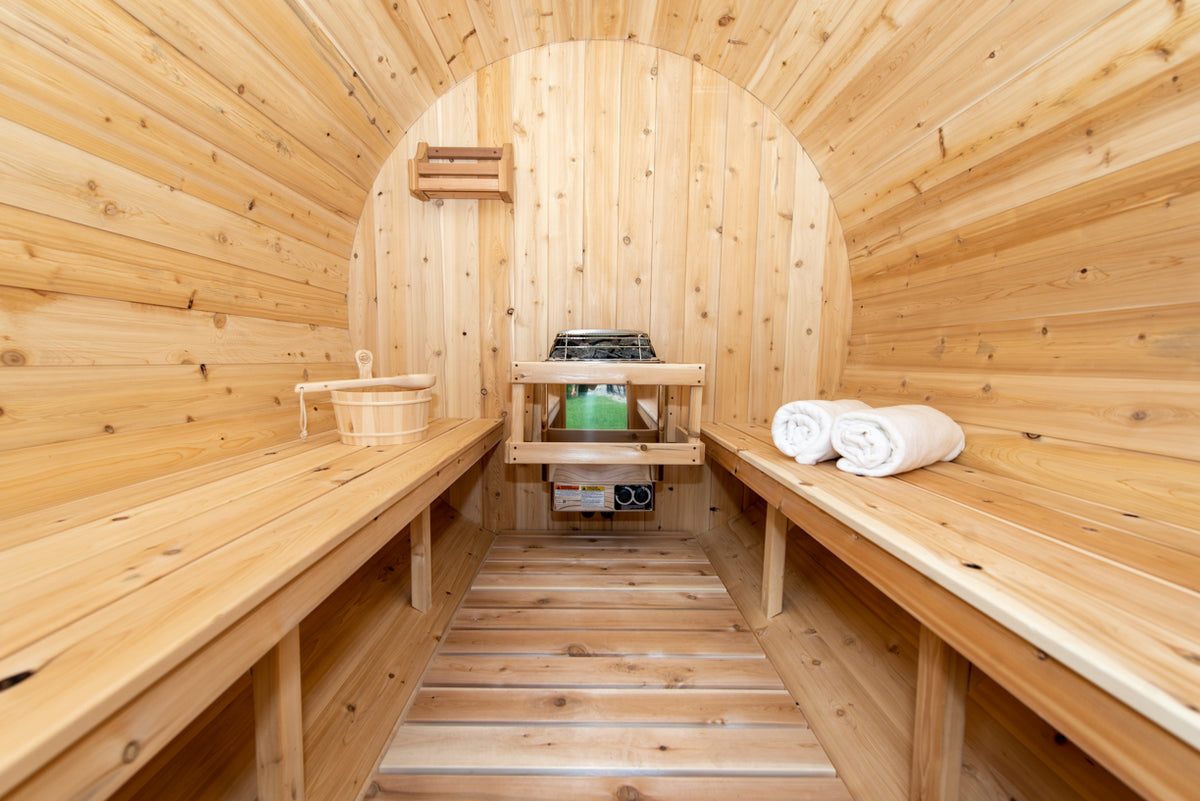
650	193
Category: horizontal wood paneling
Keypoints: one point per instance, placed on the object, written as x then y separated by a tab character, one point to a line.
1139	42
43	405
45	253
1158	415
103	40
1024	261
44	328
47	176
180	190
46	93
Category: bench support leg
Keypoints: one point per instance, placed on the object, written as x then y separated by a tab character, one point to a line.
773	562
278	726
940	720
422	569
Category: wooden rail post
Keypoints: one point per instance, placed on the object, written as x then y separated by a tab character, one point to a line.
774	548
940	720
422	569
278	724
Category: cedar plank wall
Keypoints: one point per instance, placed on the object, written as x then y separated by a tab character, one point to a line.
650	193
180	184
175	227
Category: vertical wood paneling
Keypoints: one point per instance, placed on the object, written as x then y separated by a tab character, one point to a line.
836	302
495	295
635	221
769	342
619	195
706	209
361	294
565	164
602	123
670	212
817	267
739	235
678	498
424	269
531	290
390	243
460	275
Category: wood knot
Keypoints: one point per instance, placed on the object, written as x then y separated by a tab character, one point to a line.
627	793
219	320
14	680
131	751
13	358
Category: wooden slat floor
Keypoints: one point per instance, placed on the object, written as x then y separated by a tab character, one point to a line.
603	665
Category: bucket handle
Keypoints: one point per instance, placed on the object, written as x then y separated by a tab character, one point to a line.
414	381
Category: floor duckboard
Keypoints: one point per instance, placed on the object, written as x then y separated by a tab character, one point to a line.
576	669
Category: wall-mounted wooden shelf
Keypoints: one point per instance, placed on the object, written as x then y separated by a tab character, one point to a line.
484	173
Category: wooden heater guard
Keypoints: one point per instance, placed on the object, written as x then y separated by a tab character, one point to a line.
522	450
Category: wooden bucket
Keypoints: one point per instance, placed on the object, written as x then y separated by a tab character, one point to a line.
381	416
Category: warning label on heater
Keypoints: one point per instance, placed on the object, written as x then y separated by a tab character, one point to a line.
567	492
577	496
591	496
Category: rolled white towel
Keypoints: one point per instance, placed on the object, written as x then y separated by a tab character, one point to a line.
801	429
893	439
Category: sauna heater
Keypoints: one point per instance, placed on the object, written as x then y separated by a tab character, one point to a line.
585	413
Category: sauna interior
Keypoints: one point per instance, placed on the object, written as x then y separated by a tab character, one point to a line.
991	208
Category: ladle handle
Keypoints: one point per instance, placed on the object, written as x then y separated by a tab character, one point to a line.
415	381
364	359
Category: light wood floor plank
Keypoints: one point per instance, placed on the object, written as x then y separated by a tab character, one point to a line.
691	582
603	671
600	619
594	539
618	551
734	708
603	665
639	597
607	788
551	642
627	750
566	567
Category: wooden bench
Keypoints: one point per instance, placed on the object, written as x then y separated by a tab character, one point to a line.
124	615
1087	614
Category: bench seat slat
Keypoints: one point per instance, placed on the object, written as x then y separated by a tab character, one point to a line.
41	523
91	667
110	559
1175	565
1130	633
